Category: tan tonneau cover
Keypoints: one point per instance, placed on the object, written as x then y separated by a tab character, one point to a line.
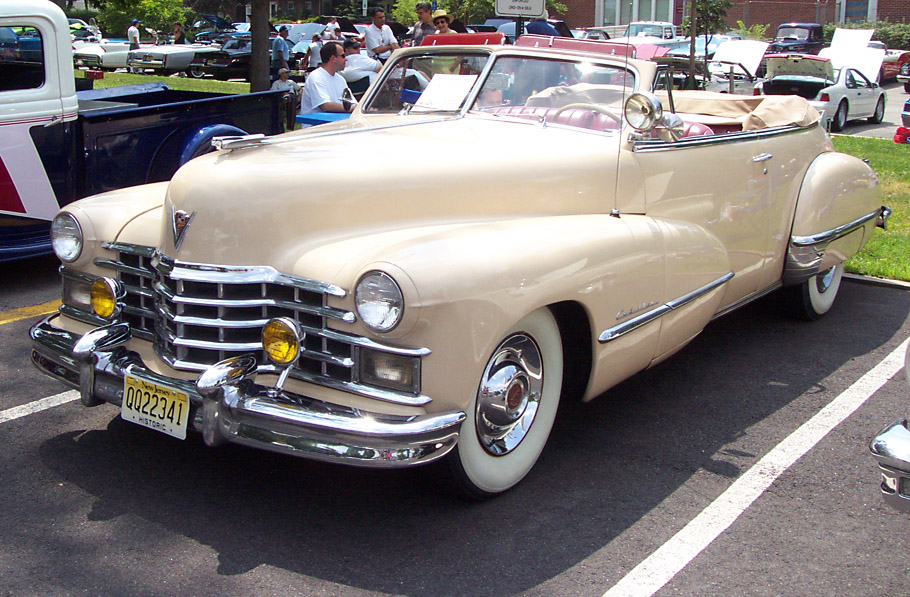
750	112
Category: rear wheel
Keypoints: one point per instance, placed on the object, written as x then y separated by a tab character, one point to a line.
196	72
879	113
840	117
815	296
512	413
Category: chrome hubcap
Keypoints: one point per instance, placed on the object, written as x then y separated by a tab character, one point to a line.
509	395
824	279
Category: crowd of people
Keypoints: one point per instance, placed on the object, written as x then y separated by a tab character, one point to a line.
335	65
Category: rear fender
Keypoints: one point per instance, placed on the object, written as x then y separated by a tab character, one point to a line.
837	209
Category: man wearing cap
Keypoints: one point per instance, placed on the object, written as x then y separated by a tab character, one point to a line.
424	25
357	65
290	97
378	37
324	87
280	52
132	35
540	26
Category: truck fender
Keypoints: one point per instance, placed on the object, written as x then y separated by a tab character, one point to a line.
199	142
836	210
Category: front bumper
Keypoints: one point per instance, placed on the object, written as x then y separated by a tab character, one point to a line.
228	406
891	449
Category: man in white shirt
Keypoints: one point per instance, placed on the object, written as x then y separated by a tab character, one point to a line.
132	36
358	66
324	87
378	37
331	30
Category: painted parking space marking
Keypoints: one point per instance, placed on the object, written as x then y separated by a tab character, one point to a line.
655	571
26	312
17	412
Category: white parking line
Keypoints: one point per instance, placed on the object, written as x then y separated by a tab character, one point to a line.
17	412
660	567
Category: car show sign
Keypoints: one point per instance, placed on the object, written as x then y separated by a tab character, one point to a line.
520	8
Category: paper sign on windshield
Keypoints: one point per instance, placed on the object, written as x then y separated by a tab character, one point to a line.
446	92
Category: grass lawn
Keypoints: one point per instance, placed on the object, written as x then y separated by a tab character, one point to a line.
887	254
182	83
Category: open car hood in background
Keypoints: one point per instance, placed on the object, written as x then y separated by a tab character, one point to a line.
746	52
866	60
799	65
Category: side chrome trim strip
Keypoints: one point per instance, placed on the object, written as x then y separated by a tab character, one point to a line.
636	322
649	145
835	233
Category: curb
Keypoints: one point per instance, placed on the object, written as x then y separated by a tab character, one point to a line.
878	281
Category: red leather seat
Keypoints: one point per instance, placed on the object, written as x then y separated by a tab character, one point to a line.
578	117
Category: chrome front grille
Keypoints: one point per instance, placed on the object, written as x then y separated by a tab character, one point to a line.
198	314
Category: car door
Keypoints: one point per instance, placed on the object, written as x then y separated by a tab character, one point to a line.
860	94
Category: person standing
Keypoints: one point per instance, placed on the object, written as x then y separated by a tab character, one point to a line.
540	26
280	52
132	34
378	37
424	25
179	37
324	88
331	30
312	58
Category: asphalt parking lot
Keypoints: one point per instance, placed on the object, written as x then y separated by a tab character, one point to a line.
681	461
894	105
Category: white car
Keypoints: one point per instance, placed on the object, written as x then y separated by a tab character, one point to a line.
838	94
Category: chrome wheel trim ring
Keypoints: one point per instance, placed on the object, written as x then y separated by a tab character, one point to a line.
509	395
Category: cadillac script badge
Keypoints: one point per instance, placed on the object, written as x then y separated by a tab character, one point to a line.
180	221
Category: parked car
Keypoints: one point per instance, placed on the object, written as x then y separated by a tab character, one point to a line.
106	55
840	95
891	449
736	61
210	28
170	59
590	33
893	64
375	323
798	38
230	61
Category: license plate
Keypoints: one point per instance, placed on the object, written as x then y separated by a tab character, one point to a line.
157	407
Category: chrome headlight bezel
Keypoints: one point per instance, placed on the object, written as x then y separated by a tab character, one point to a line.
379	301
66	235
643	111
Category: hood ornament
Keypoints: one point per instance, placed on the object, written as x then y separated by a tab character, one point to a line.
180	220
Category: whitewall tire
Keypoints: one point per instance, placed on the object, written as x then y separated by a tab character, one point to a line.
816	295
512	412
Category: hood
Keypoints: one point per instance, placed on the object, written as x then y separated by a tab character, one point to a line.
799	65
864	59
747	53
273	203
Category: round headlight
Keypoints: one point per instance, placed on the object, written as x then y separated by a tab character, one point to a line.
643	111
104	295
281	339
379	301
66	237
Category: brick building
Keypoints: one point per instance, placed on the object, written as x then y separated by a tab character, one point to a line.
585	13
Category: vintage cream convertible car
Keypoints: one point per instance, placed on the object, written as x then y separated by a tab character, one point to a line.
494	229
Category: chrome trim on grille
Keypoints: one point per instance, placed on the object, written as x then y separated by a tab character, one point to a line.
636	322
198	314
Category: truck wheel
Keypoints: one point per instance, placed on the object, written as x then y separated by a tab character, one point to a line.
840	117
879	113
200	142
512	413
815	297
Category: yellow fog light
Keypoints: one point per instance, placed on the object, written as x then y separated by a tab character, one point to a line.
104	295
281	339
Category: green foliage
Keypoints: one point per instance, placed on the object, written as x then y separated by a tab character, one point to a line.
756	31
711	17
887	254
466	11
181	83
115	15
895	35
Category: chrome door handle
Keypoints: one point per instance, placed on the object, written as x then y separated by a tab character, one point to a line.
762	157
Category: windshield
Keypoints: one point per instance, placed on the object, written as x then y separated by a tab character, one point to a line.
649	30
793	33
446	81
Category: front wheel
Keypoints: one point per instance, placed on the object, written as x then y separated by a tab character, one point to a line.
815	296
840	117
879	113
512	413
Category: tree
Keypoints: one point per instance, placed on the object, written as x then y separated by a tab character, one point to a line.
259	61
710	18
115	15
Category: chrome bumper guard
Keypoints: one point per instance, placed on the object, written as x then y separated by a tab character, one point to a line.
228	406
891	448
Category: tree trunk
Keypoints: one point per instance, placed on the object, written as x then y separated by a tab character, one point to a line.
259	61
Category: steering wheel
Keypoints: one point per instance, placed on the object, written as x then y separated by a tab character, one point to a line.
585	106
